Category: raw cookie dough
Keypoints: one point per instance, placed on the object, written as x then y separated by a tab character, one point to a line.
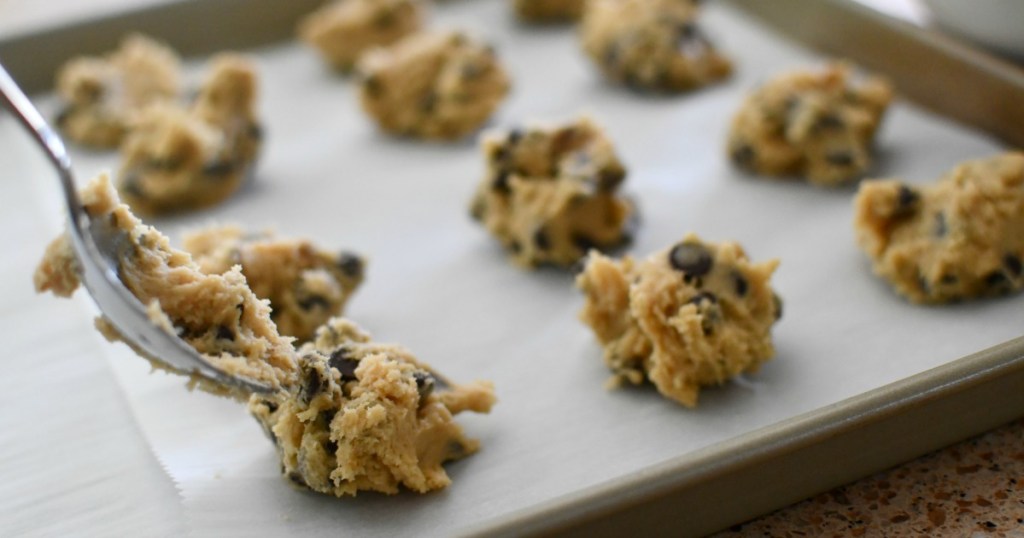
960	238
432	85
651	44
347	414
177	159
816	125
344	29
102	95
215	313
550	193
368	416
691	315
304	284
548	10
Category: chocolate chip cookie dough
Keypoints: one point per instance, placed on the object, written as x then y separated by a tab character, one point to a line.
651	44
432	85
816	125
548	10
305	285
101	96
179	159
550	192
217	314
692	315
344	29
345	414
960	238
367	417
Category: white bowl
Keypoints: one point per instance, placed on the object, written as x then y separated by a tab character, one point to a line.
996	24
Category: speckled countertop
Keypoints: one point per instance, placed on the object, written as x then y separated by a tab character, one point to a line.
974	488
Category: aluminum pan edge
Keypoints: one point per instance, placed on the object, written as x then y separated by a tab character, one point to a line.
773	467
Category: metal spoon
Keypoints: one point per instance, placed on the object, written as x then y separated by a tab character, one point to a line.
96	245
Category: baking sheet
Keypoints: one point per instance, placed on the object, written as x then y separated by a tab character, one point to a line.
437	284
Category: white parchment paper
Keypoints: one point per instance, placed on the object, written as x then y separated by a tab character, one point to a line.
439	285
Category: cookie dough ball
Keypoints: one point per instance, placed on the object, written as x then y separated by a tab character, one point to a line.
960	238
548	10
101	96
651	44
551	192
216	313
343	30
179	159
692	315
432	85
367	417
305	285
816	125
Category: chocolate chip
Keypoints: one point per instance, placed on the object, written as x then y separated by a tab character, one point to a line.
372	86
906	198
840	158
428	103
609	179
583	242
384	19
744	155
478	210
777	302
941	228
515	246
255	131
424	384
996	279
514	136
314	384
314	301
219	168
1012	264
500	183
297	479
342	361
225	333
741	284
691	258
829	122
541	239
350	264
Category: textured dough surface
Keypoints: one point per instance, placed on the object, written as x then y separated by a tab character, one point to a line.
548	10
305	285
959	238
103	95
217	314
346	414
367	416
651	44
433	85
692	315
344	29
550	192
178	159
816	125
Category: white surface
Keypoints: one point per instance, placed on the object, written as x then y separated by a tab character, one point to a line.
439	285
997	24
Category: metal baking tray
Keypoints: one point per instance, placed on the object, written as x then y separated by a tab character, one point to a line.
749	461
